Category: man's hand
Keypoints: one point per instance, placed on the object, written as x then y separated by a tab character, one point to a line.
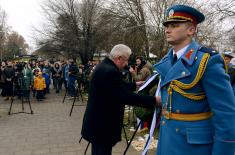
131	70
158	101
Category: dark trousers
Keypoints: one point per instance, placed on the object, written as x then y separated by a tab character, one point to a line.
72	90
46	90
26	93
66	83
101	149
9	88
39	94
57	84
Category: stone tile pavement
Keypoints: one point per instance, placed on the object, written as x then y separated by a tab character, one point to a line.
49	131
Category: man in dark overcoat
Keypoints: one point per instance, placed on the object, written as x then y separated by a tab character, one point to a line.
108	94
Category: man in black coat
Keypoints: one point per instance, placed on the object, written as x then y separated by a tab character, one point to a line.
8	75
108	94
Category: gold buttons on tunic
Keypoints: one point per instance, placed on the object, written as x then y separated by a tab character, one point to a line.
177	111
163	122
183	73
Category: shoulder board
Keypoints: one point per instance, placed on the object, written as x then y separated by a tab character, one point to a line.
208	50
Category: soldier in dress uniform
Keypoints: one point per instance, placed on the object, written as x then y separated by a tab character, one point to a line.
198	106
230	69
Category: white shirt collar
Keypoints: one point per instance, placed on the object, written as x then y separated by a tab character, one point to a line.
180	52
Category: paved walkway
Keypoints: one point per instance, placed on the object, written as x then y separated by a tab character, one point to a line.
49	131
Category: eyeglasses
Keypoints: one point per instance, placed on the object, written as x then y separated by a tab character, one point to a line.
124	58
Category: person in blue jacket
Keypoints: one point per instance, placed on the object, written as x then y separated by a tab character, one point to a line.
47	80
198	106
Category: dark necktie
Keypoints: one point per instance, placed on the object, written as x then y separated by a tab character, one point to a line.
174	59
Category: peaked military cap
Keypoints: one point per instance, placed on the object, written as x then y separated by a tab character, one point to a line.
228	54
183	13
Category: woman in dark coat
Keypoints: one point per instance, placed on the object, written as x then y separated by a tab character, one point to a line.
2	80
8	75
57	76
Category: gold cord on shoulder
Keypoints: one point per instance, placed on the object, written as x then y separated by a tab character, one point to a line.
180	87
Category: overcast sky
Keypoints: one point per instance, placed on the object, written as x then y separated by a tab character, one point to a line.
22	15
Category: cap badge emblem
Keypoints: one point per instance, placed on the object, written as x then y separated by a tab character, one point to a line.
171	13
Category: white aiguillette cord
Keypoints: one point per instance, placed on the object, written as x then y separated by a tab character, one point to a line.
153	124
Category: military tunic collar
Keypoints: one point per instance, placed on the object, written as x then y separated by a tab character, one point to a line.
170	72
190	53
180	52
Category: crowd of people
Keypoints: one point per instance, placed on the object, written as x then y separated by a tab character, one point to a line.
39	76
196	91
